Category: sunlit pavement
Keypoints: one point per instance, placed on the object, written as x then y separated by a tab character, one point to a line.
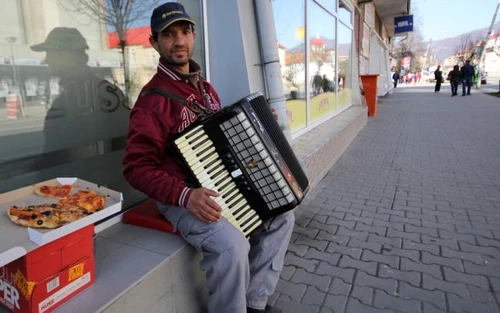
408	219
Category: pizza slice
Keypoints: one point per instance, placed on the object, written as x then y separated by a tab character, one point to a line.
59	192
89	200
35	216
68	214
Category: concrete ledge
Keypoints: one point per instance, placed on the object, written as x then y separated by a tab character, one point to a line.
144	270
322	146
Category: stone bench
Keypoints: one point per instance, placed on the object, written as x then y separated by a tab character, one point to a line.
140	269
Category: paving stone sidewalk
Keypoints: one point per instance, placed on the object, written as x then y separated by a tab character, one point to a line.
408	220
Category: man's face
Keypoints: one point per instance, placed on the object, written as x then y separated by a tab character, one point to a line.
59	62
175	44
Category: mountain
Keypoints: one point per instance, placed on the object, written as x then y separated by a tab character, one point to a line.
444	48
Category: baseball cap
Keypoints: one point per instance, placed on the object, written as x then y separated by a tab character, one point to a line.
166	14
62	38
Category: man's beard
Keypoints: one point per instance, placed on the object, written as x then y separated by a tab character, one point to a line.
172	60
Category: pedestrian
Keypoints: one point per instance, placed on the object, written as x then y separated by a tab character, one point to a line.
241	274
326	84
467	76
395	78
317	83
455	78
438	76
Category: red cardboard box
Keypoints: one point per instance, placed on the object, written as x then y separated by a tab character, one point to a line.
49	275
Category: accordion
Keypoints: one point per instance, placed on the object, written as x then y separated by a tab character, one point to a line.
241	153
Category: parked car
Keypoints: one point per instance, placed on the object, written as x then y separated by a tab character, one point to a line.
426	76
484	78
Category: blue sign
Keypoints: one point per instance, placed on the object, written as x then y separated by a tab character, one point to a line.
403	24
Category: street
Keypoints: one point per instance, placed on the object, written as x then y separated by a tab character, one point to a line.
408	219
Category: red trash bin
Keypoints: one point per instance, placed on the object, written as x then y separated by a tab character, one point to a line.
370	88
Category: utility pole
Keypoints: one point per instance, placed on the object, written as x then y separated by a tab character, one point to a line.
483	46
427	54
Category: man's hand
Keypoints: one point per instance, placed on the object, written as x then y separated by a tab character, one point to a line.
201	205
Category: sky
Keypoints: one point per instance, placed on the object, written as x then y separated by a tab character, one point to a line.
440	19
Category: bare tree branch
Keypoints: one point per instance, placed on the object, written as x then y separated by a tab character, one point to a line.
119	15
466	49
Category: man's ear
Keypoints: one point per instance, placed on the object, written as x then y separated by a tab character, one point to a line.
153	43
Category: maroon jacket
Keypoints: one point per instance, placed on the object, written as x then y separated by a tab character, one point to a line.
150	164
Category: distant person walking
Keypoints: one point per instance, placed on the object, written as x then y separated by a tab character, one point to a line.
467	76
455	78
438	76
395	79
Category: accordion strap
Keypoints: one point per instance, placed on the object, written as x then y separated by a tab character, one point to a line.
194	106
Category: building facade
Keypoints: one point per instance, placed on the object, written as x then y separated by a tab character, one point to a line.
321	46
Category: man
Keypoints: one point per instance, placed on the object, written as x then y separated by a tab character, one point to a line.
317	83
241	274
395	78
467	74
438	76
86	109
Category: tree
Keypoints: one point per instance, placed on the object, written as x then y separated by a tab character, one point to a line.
466	49
118	15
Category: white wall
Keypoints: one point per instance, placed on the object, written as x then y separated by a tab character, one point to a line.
234	55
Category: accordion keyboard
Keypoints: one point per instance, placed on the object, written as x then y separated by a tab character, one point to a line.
209	169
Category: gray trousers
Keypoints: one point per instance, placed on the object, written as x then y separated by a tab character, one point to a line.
240	272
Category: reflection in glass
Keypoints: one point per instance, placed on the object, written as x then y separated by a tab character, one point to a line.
330	5
322	57
345	50
289	18
62	93
345	13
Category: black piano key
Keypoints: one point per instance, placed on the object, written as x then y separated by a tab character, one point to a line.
225	185
204	150
216	172
246	229
195	136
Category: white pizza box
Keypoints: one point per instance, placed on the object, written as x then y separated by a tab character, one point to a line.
16	241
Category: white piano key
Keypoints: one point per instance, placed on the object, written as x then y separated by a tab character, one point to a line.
199	155
194	164
211	167
204	177
186	139
252	228
189	146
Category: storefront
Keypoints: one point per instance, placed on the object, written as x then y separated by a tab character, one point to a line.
317	64
321	44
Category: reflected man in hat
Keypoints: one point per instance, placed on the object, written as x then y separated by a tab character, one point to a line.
87	108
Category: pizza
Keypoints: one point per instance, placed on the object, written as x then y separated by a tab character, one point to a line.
59	192
45	215
88	200
35	216
68	209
